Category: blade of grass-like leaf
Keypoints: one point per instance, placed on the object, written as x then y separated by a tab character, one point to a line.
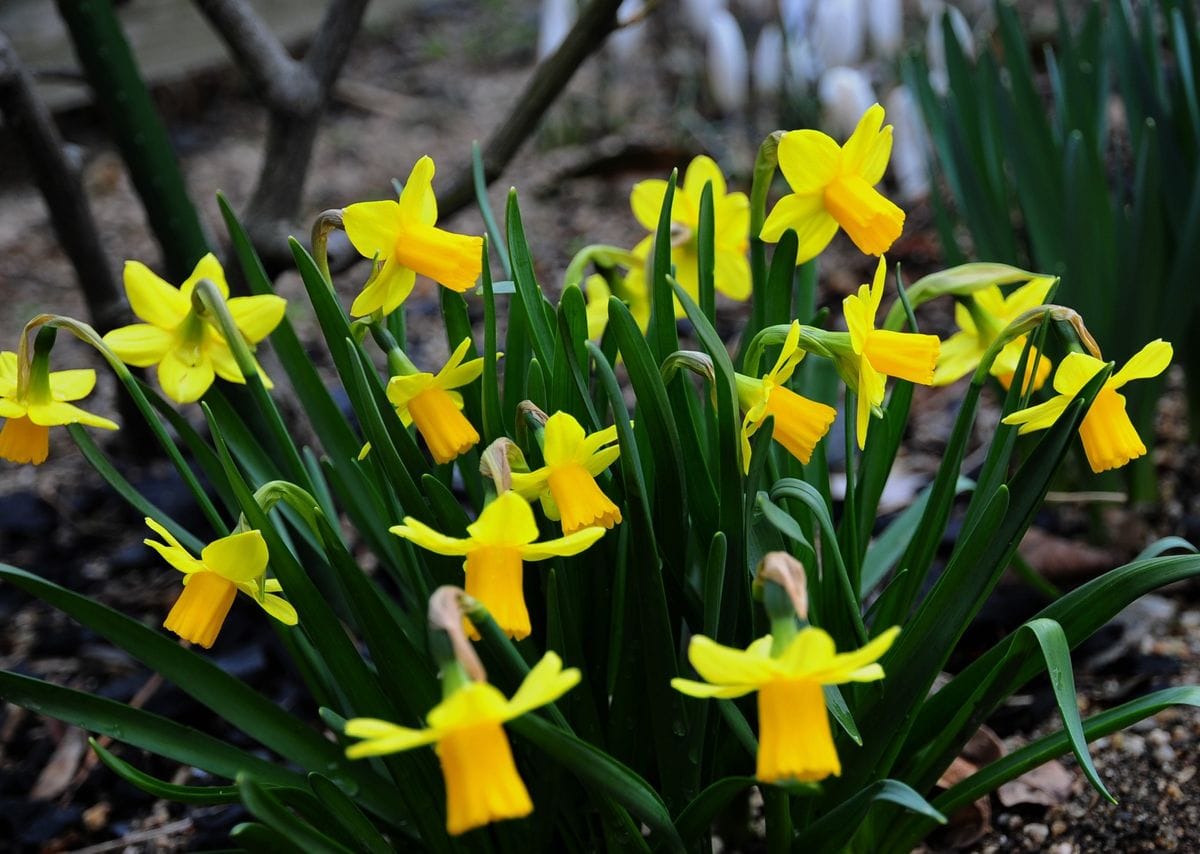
529	295
485	210
696	818
1164	545
706	255
266	808
335	435
601	770
835	829
349	816
142	729
161	788
662	336
781	278
1038	753
123	488
493	421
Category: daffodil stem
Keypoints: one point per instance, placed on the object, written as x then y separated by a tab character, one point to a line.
850	502
779	820
210	304
88	335
399	365
325	222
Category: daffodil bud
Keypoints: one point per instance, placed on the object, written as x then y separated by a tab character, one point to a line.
783	572
728	64
499	460
447	636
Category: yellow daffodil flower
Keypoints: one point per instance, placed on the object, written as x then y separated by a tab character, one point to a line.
566	484
794	738
834	186
482	783
731	229
189	351
496	546
430	402
403	239
31	412
210	583
982	324
631	289
1109	437
883	353
799	422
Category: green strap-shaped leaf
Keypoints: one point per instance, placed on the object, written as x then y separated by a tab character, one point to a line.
493	420
529	295
348	815
835	829
694	820
161	788
141	729
662	336
264	806
601	770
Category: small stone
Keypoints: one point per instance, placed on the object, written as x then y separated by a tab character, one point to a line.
1037	833
1158	737
1059	827
1174	792
1133	745
1062	848
96	817
1186	774
1164	753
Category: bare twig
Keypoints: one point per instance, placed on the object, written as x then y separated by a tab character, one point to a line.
58	180
295	93
551	77
282	82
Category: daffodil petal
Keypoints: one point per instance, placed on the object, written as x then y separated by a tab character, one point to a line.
867	150
56	413
723	665
140	344
8	370
809	160
702	690
646	200
73	384
420	534
1074	372
564	440
571	544
372	227
417	200
506	521
1148	362
390	287
184	383
176	557
152	299
378	743
279	608
256	317
239	557
209	268
732	275
1039	417
703	170
960	354
545	683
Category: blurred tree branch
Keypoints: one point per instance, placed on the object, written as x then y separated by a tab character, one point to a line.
295	93
590	30
57	177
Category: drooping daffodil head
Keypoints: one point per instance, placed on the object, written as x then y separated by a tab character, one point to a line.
795	739
212	581
981	318
190	352
403	239
432	403
566	484
43	402
496	546
731	230
834	186
482	783
799	423
1108	435
883	353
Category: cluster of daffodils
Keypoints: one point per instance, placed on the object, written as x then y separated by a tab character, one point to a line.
196	333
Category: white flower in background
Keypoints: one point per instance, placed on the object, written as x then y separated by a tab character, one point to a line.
699	13
910	144
626	41
885	25
839	32
935	47
845	94
795	16
553	25
768	62
803	67
728	64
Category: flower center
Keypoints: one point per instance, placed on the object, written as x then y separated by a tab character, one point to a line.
872	221
494	577
795	742
445	430
581	502
482	783
453	260
201	608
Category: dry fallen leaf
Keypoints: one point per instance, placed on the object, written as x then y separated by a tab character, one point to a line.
57	774
1048	785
